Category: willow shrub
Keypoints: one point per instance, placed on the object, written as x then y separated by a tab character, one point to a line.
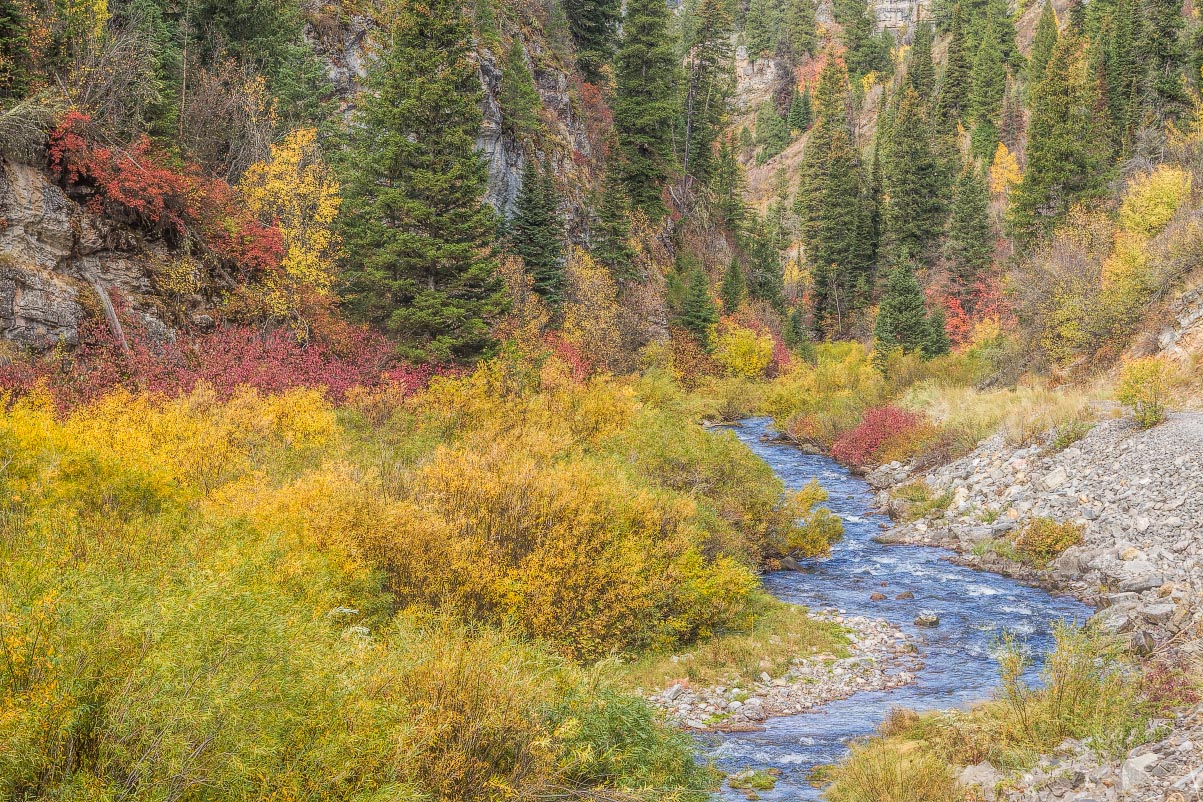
263	596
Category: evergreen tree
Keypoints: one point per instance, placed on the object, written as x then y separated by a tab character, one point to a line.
801	28
902	322
800	111
920	71
645	109
698	313
519	100
537	233
611	234
728	184
830	205
594	25
913	184
761	25
866	52
968	248
936	343
953	103
416	233
772	134
733	288
14	51
764	275
795	336
709	78
1120	44
1065	153
1001	24
986	96
1166	97
1043	43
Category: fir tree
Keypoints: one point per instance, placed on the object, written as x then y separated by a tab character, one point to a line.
760	28
1166	97
611	232
800	112
709	78
830	205
764	276
986	96
902	322
968	248
732	290
698	313
1065	153
913	184
800	28
772	134
416	233
645	109
864	50
537	233
1043	43
795	336
920	71
953	103
936	343
1121	42
518	98
594	25
728	184
14	51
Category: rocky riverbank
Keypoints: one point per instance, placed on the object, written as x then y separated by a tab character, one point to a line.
1138	498
881	656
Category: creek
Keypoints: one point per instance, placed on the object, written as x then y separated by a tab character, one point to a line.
975	610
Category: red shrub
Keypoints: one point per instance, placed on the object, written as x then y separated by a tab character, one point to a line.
859	446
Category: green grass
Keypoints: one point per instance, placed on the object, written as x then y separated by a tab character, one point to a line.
922	499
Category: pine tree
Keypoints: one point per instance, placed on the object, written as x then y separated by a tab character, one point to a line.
968	248
764	275
953	103
698	313
795	336
772	134
611	233
709	78
594	25
14	51
902	322
801	28
864	50
913	185
760	28
986	95
519	100
728	184
1166	97
733	287
1043	43
920	71
537	233
1066	155
936	343
830	205
416	233
1121	42
645	109
800	112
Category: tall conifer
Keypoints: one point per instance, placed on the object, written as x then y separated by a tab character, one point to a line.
913	212
920	71
1043	43
594	25
953	102
708	81
698	313
986	95
968	248
733	288
537	232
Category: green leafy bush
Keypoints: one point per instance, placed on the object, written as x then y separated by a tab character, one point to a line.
1143	387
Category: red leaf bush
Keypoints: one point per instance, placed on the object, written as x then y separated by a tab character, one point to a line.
878	430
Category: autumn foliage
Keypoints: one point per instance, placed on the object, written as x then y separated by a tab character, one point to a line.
881	426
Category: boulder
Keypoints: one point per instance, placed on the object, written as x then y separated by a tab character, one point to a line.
983	775
927	619
1134	773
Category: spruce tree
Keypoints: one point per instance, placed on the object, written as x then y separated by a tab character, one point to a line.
519	100
416	233
732	290
537	233
801	26
913	185
936	343
1066	155
864	50
611	233
902	322
594	26
764	275
795	336
830	204
760	28
1121	42
709	79
1043	43
1166	97
728	184
920	71
645	109
772	133
14	51
800	112
698	313
968	248
953	102
986	96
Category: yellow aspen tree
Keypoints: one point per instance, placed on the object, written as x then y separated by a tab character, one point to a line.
1004	170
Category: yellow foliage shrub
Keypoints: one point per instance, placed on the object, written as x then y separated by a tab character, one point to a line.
742	351
1143	387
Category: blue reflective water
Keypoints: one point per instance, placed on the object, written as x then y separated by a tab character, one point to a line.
974	609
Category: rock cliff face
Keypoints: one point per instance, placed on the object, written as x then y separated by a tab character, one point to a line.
57	261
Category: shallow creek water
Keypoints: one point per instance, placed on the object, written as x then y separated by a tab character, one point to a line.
974	608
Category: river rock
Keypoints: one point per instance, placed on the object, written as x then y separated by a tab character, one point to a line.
1134	773
790	564
904	596
875	596
927	619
